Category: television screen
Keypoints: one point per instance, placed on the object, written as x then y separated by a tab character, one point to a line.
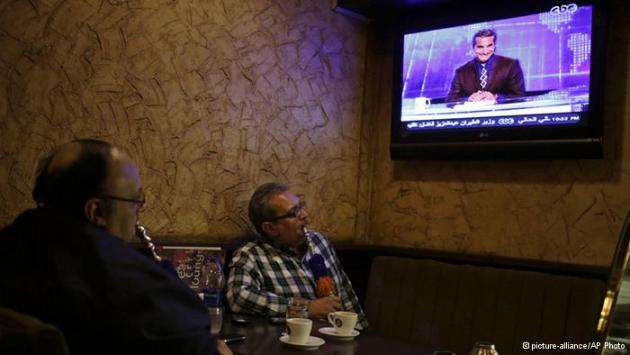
514	84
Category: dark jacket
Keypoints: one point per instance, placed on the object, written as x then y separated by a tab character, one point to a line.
106	297
506	80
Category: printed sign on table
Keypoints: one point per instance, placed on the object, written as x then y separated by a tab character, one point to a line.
193	263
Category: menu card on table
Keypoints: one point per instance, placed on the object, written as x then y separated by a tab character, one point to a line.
193	263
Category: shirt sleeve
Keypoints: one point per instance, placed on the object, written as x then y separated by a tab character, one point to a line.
456	92
517	81
514	83
245	291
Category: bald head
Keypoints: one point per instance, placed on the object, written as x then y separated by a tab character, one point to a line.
74	173
65	157
95	181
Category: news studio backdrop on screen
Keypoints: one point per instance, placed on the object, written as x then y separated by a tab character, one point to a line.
553	48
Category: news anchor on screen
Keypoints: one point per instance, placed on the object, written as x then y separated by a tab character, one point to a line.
488	77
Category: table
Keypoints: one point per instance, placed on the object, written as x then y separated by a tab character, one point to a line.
263	338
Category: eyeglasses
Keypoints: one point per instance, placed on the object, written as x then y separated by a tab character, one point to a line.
293	213
140	202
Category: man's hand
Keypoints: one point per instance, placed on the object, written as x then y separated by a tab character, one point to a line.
320	307
222	348
482	96
488	96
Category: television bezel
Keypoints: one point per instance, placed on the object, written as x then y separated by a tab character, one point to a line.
584	140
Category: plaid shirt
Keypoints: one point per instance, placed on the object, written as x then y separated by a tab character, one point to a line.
263	276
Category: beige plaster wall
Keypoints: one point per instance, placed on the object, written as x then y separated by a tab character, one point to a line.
568	211
212	98
215	97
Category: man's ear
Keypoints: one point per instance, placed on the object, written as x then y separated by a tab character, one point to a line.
95	212
269	228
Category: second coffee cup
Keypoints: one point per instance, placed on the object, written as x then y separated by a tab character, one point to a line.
343	322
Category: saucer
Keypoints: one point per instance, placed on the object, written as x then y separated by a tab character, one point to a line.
330	331
311	344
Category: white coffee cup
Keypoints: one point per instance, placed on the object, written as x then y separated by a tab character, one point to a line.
343	322
299	330
421	103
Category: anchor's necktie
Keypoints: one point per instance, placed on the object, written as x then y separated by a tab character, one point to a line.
483	77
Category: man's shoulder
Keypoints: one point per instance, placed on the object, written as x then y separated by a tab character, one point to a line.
253	248
318	235
10	230
502	60
254	254
469	65
320	240
247	247
44	228
28	219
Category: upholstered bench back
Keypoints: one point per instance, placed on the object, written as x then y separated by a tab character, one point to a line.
449	306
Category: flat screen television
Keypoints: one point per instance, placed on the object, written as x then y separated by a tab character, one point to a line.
537	95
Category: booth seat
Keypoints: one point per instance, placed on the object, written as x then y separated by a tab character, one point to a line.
450	306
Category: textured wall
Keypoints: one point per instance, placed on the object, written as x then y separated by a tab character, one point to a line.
215	97
211	98
570	211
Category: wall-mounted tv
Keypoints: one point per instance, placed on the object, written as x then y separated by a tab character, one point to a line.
520	81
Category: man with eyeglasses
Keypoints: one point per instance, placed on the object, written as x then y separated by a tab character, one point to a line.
68	264
278	265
